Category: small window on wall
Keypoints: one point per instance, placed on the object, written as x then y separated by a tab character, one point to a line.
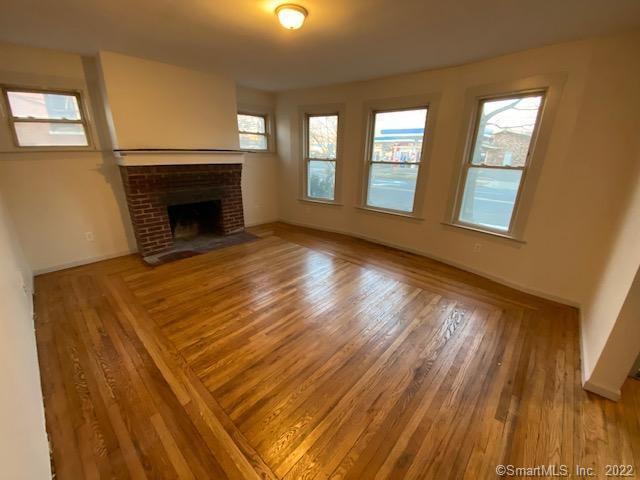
321	154
253	132
46	118
497	162
394	158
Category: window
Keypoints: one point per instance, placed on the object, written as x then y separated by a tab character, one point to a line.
321	153
253	132
46	118
394	158
497	162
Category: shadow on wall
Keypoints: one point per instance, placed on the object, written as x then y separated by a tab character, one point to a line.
109	168
610	327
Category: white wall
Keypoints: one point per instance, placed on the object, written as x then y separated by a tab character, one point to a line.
24	451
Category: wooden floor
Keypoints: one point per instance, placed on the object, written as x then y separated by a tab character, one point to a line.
312	355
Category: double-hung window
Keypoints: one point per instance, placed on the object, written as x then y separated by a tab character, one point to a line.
42	118
253	132
394	158
321	155
497	161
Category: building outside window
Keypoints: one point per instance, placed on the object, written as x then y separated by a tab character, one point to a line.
497	163
41	118
395	157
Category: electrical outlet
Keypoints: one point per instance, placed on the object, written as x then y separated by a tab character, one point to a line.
477	247
88	236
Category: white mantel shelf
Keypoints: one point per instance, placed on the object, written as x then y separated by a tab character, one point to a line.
142	157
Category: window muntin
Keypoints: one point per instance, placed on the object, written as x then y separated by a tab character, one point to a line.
46	118
253	132
321	155
395	156
498	160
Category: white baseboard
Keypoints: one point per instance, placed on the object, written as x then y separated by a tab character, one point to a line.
586	371
495	278
585	365
84	261
261	222
606	392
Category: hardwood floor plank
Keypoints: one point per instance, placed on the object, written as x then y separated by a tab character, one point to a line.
380	443
227	451
366	342
282	452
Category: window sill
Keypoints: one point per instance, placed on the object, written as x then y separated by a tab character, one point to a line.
50	150
485	232
332	203
409	216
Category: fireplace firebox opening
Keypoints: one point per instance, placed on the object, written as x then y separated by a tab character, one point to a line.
190	220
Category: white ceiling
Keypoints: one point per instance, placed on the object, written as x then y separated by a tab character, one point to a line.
342	40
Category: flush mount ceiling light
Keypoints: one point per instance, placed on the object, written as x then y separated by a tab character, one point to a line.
291	16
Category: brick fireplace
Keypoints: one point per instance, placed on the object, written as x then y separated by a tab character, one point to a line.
169	200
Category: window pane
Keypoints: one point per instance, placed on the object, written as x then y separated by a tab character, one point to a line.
321	179
392	186
43	134
504	131
398	136
323	136
489	197
251	141
44	105
251	123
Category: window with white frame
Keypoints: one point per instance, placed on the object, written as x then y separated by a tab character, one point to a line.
497	161
42	118
395	157
321	155
253	132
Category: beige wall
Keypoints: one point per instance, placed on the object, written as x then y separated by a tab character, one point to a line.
260	172
156	105
618	340
611	316
581	227
24	451
56	197
578	193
